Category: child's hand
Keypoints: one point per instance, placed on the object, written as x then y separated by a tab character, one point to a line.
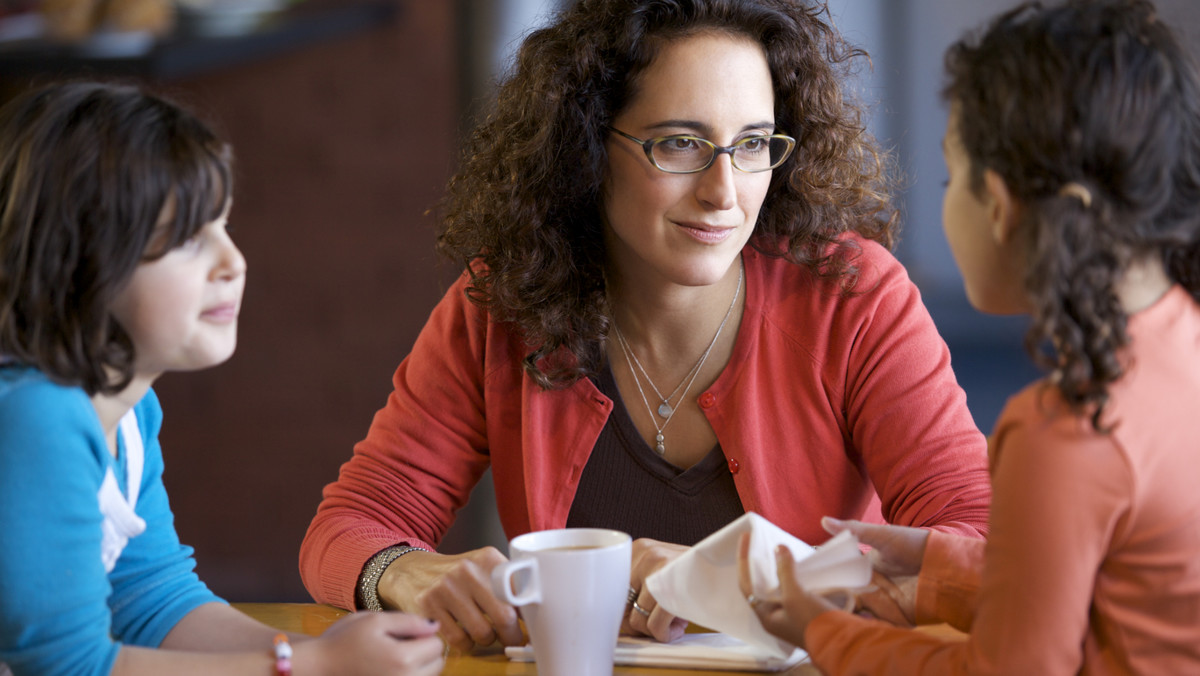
374	643
788	617
895	556
896	550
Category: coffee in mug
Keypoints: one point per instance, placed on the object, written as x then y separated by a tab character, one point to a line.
570	586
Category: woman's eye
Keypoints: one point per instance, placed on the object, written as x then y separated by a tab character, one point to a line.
680	144
755	145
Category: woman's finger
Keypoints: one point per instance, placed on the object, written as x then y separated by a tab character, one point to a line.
640	610
463	623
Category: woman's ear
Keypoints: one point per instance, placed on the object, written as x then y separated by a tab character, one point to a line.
1003	208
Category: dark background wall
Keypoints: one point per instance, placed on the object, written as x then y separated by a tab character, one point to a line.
342	149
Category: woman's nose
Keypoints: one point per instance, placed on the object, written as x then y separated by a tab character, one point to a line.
716	186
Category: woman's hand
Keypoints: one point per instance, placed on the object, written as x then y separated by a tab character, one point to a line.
895	556
456	591
789	616
647	617
374	643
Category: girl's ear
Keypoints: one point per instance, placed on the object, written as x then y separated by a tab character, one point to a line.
1003	208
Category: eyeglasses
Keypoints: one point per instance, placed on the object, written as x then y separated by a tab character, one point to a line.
686	154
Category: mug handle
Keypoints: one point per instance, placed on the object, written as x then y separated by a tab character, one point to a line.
502	577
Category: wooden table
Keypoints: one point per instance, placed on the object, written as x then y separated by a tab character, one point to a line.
312	619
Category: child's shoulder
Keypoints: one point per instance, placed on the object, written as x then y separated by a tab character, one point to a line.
36	412
33	403
27	392
45	428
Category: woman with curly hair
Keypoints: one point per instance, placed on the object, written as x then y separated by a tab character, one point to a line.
1073	148
678	305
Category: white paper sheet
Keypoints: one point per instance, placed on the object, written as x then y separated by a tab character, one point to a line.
702	585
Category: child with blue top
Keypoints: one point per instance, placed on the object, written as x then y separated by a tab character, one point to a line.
116	266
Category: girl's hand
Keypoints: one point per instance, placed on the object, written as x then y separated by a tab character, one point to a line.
895	556
456	591
896	550
373	643
648	556
788	617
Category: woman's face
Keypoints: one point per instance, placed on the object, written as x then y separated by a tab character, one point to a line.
687	229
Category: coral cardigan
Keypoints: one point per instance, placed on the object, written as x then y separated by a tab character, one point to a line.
827	397
1093	562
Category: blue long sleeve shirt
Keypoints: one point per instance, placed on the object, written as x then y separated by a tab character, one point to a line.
60	612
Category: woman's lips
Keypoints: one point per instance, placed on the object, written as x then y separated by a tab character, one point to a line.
707	234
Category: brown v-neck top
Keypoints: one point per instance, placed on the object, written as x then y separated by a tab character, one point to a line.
628	487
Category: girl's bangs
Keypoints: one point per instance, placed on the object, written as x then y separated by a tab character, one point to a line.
201	186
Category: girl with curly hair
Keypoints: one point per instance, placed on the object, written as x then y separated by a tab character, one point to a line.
678	305
1073	148
116	266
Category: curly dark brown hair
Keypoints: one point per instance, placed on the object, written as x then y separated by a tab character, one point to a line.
1098	93
523	213
86	170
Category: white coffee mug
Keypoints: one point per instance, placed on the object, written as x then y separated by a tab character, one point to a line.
570	586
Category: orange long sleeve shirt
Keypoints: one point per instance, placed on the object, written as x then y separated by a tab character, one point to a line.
1093	560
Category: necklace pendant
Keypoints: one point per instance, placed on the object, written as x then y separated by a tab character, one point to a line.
659	446
665	410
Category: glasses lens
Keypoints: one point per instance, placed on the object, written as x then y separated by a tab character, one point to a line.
761	154
681	153
685	154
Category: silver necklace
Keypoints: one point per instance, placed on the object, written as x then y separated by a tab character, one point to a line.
665	409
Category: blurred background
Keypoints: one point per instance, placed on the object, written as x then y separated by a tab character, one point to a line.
346	118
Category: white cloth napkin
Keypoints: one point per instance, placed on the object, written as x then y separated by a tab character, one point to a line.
691	651
701	586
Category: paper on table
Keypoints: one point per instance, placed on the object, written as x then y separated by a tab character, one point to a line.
701	585
691	651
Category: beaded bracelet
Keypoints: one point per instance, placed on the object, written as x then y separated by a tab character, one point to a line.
368	583
283	656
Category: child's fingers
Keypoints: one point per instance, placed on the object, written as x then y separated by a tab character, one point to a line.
404	625
744	583
834	526
872	534
785	567
858	528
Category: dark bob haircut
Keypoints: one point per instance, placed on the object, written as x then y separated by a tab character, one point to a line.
94	179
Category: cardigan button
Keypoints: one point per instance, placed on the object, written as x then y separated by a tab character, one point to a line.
734	466
707	400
